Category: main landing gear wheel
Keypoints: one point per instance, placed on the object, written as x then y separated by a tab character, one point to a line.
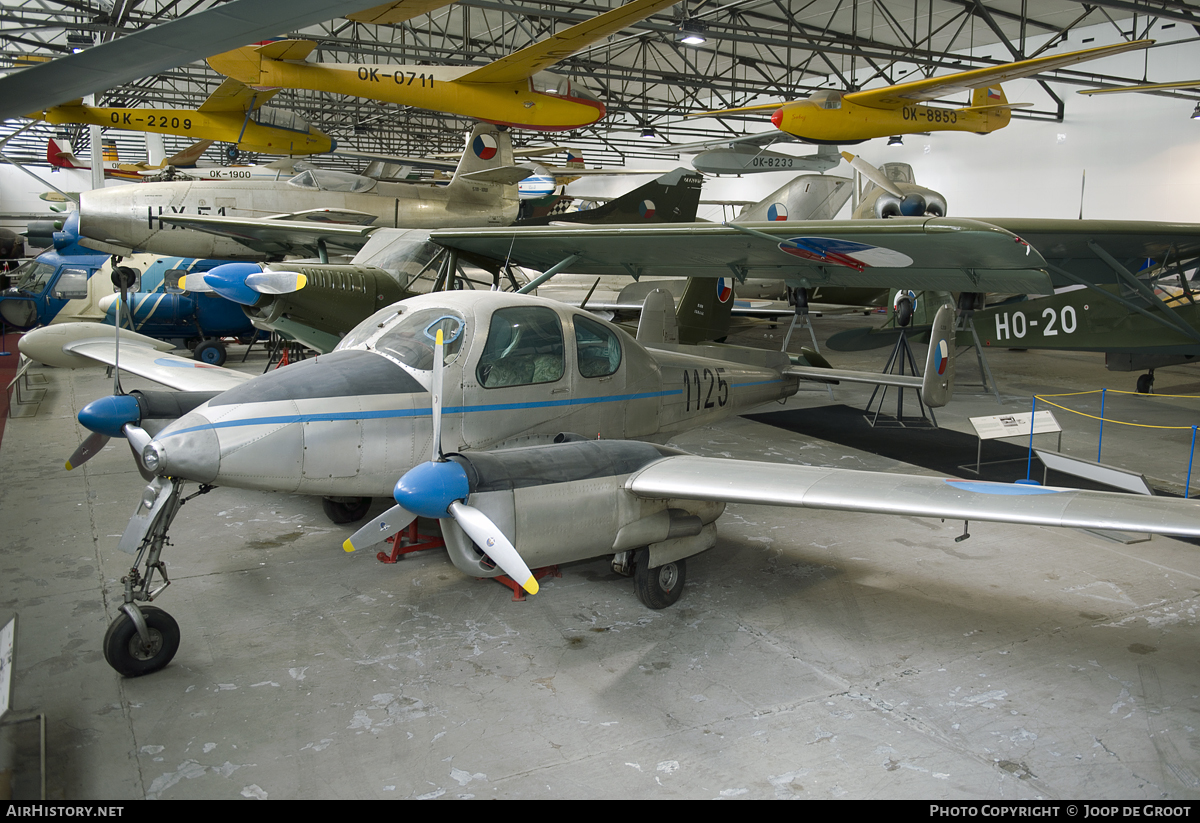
346	509
211	352
125	650
660	587
1145	383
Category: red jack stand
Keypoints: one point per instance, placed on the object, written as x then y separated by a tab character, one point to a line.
518	592
427	541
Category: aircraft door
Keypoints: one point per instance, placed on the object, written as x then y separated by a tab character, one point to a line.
599	377
518	382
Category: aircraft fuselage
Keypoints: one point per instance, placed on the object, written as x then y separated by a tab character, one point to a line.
128	216
818	121
352	422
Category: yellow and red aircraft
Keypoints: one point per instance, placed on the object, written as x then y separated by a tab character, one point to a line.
507	92
852	117
231	114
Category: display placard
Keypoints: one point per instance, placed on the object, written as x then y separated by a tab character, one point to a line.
8	641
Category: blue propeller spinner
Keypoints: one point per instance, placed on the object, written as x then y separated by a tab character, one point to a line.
439	490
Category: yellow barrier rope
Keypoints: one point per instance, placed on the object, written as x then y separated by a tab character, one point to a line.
1042	398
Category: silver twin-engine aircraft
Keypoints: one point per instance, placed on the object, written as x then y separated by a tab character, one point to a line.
543	424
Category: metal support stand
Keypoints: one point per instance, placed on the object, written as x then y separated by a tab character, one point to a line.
515	587
409	541
901	354
25	406
966	322
800	317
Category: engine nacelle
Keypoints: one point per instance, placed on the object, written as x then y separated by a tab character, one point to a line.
567	501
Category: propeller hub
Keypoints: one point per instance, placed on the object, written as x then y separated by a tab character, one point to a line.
913	205
229	281
109	415
428	489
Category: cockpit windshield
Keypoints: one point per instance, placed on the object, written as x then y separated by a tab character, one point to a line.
281	118
326	180
550	83
32	276
409	336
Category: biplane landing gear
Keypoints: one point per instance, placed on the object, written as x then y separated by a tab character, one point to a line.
660	587
1145	383
144	638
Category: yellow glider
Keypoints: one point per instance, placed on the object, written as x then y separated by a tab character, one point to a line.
505	92
852	117
228	115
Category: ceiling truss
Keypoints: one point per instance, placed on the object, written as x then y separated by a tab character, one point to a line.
756	51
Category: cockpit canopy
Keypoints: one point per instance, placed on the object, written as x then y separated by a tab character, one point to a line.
546	82
281	118
326	180
409	335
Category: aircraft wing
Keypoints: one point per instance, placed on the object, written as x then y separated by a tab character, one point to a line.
278	236
62	345
389	14
530	60
1075	245
931	88
946	254
1183	84
780	484
766	138
233	95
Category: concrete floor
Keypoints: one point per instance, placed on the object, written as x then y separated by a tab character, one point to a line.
813	654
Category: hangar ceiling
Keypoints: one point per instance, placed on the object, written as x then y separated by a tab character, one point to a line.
754	51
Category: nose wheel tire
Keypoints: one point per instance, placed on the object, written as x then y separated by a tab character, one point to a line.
659	587
129	655
346	509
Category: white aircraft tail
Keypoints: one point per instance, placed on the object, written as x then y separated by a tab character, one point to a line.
486	173
658	325
938	381
807	197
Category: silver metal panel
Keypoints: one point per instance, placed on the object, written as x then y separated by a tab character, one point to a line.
824	488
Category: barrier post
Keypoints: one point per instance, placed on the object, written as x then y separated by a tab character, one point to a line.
1100	441
1029	459
1187	488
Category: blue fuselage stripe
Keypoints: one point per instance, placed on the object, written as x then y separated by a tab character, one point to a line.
284	419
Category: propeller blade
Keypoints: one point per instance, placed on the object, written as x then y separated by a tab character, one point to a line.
437	396
196	283
495	545
873	174
379	529
276	282
87	449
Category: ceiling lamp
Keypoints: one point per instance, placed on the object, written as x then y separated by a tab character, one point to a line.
895	140
1196	113
648	132
690	33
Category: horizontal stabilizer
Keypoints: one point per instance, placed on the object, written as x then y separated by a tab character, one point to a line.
503	175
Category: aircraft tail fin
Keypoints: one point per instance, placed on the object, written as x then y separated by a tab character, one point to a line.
705	309
188	156
672	198
807	197
994	104
59	157
657	325
937	385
